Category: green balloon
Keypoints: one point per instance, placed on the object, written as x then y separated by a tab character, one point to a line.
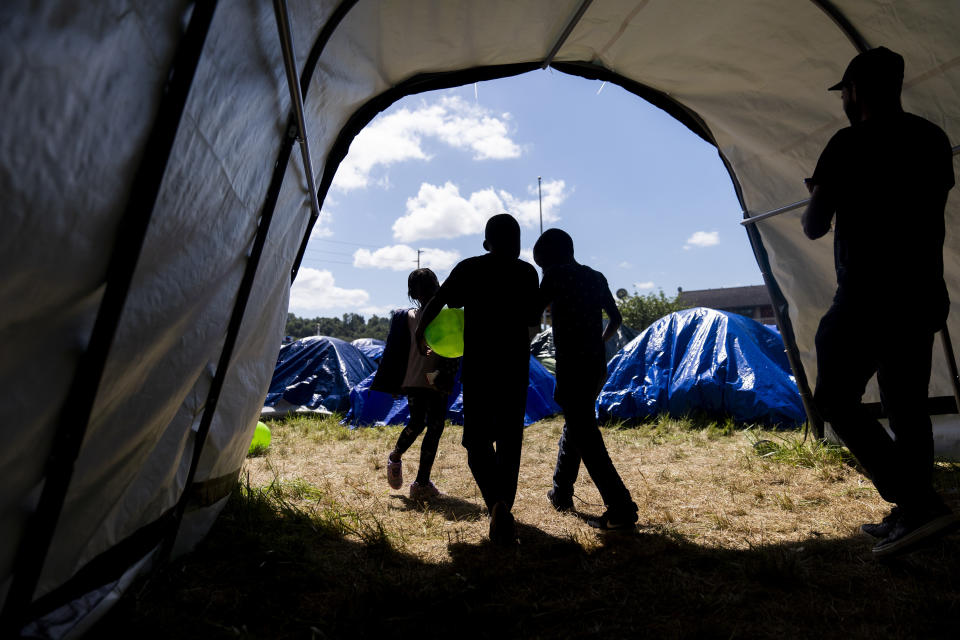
445	333
261	438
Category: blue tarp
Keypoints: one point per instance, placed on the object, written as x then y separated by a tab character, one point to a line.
376	408
370	347
702	360
318	372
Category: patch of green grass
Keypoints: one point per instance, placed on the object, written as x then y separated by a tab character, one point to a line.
327	428
665	429
311	512
795	451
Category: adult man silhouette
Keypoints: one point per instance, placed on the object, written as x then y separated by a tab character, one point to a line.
884	181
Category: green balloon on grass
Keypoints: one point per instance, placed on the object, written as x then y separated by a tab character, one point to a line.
261	438
445	333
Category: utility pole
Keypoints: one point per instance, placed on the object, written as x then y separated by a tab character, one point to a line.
419	251
540	195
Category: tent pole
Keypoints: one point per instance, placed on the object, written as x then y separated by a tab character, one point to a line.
780	306
582	9
951	364
309	67
751	219
296	100
78	406
854	36
296	129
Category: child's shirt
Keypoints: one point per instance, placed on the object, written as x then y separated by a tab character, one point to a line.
577	294
418	365
498	296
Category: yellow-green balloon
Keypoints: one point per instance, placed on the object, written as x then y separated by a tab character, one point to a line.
261	438
445	333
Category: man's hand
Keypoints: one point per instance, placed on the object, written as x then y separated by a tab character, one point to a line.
818	214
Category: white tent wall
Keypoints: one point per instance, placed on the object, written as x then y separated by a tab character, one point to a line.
78	108
82	82
86	87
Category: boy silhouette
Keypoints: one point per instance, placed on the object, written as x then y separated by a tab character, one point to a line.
497	292
577	295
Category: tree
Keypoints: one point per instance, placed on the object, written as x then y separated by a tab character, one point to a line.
640	311
350	327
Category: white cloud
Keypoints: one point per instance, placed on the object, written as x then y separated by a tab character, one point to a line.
527	212
703	239
401	257
441	212
625	265
399	136
643	286
321	229
314	290
381	310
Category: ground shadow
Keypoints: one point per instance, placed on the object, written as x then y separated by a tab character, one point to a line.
279	576
451	508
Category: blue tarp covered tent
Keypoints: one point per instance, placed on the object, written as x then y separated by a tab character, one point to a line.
369	407
370	347
702	360
317	373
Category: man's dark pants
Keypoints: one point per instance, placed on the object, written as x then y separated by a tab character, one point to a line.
852	345
494	416
581	440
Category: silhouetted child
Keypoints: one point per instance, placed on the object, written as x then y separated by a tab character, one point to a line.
578	295
424	378
498	293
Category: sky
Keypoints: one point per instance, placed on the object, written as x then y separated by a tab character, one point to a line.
647	202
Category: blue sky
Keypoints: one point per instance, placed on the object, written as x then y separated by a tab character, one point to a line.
646	201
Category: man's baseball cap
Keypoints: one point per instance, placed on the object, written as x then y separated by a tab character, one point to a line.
877	68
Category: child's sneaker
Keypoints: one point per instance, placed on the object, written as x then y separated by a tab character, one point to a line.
616	519
394	473
559	502
421	492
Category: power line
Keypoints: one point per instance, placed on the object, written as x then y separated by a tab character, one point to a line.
336	253
355	244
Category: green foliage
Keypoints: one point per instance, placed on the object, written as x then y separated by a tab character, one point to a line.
640	311
350	327
798	452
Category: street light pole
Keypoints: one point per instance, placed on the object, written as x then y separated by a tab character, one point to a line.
540	196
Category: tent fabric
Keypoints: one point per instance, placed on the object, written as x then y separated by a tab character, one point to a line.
542	347
369	407
543	350
370	347
703	361
82	84
318	373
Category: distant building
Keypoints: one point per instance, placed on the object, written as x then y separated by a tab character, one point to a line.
752	302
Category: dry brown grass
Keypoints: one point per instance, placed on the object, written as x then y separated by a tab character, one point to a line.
734	540
711	489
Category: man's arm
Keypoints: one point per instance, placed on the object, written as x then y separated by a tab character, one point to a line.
613	313
819	213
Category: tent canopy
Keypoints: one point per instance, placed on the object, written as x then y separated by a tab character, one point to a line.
154	216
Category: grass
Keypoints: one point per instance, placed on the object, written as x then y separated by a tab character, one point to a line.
743	533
